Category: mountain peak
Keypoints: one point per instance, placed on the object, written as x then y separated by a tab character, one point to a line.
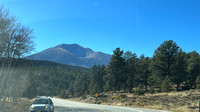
61	45
76	49
72	54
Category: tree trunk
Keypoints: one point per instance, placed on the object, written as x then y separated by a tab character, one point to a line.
125	87
177	87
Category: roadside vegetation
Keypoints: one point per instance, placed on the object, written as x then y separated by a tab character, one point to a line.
21	106
184	101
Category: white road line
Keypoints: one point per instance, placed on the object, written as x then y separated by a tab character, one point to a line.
129	109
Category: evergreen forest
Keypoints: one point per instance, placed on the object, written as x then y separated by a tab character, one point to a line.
170	69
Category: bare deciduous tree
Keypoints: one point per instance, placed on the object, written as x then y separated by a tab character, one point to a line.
15	42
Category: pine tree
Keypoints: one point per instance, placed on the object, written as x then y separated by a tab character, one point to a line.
179	69
116	70
198	82
81	84
163	62
109	80
143	71
193	65
130	69
96	84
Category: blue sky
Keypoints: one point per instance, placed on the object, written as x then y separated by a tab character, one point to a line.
139	26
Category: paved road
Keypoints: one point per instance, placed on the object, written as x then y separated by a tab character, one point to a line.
72	106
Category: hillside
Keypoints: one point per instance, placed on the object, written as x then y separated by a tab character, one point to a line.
45	77
43	63
72	54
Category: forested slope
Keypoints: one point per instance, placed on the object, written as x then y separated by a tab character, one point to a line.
170	69
47	78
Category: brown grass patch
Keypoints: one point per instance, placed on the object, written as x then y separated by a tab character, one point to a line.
21	106
186	101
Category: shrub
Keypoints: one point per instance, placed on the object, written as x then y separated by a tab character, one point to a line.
165	87
151	90
62	94
139	90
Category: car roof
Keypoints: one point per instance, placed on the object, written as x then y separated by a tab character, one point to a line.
42	98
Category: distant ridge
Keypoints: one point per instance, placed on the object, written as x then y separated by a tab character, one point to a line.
72	54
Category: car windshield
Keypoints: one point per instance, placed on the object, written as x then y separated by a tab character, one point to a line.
40	101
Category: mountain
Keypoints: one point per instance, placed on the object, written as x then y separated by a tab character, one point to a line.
72	54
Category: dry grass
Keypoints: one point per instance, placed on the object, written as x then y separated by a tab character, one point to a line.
186	101
22	106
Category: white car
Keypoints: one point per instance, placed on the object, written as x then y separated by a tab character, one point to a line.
42	105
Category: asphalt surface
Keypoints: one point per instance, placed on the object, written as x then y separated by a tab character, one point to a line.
61	105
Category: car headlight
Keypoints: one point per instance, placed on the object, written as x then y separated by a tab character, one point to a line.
46	106
32	107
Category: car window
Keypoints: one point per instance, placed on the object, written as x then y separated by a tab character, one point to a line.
50	101
41	101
